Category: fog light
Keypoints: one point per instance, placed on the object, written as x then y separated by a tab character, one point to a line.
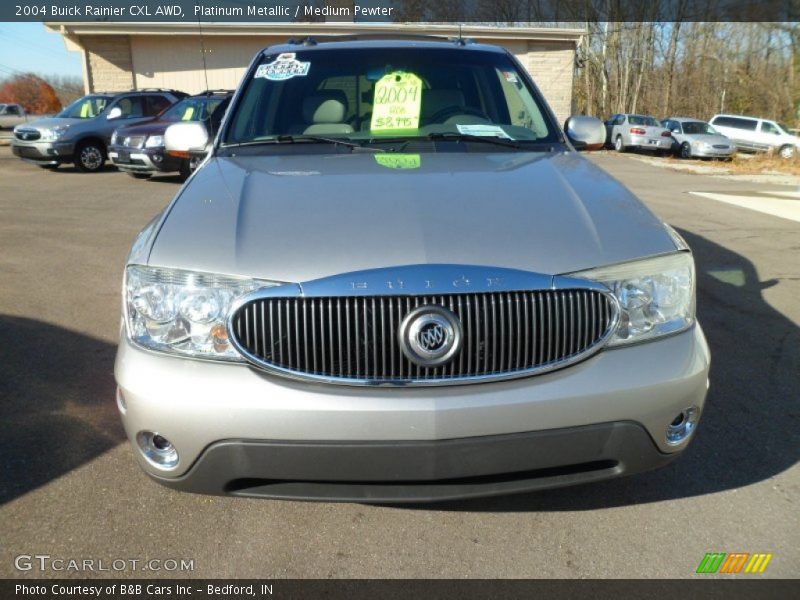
157	449
682	426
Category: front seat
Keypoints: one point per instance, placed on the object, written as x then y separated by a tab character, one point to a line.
325	111
434	101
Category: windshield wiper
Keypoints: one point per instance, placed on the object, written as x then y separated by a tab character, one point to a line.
299	139
467	137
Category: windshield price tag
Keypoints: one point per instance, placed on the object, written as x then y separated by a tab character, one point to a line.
397	102
392	160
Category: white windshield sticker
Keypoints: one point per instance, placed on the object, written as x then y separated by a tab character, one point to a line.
483	130
282	68
510	76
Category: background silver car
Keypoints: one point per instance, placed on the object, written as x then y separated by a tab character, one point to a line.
695	138
81	133
626	132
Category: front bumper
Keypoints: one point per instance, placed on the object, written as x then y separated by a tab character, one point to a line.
142	160
713	152
46	153
241	431
421	471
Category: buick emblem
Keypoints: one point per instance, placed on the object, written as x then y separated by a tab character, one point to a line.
430	336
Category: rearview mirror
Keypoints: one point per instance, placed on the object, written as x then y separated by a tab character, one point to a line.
114	113
185	139
585	133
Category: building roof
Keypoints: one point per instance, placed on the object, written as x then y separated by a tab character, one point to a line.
290	30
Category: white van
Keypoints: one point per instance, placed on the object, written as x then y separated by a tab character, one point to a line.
757	135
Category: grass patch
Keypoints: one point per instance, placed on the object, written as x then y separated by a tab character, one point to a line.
763	163
749	164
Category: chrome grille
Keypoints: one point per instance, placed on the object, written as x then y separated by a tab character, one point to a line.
353	339
27	135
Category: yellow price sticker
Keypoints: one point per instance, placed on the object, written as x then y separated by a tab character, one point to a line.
397	102
188	113
391	160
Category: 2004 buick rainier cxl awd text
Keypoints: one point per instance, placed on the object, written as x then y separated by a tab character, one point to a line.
393	278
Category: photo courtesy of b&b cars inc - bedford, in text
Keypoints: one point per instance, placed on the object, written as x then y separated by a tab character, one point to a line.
463	299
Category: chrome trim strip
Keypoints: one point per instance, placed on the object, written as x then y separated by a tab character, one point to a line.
425	280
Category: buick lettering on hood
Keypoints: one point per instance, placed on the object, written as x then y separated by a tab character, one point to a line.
395	278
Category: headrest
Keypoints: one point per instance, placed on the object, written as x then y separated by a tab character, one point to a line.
435	100
328	106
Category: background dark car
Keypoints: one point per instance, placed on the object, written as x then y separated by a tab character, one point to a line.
139	149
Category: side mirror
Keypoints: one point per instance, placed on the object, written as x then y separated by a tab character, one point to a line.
114	113
585	133
185	139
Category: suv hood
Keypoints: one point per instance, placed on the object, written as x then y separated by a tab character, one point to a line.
50	122
302	217
152	127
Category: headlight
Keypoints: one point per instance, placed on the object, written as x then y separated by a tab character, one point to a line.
114	138
656	295
53	133
183	312
154	141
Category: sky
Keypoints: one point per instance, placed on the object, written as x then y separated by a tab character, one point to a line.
30	47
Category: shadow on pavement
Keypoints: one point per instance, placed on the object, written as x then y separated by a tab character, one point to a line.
750	430
173	178
71	169
57	405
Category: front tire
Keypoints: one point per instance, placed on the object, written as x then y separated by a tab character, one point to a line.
686	150
786	152
618	145
90	157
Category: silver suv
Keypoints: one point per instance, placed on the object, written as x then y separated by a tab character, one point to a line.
394	279
80	133
757	135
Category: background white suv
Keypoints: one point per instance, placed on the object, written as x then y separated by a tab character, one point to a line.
757	135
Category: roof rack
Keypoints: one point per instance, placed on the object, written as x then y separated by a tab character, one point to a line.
132	91
208	92
161	90
353	37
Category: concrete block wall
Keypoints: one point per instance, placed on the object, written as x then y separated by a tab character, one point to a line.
551	64
110	66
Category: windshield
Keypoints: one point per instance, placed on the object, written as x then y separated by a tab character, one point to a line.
87	107
698	127
364	95
640	120
194	108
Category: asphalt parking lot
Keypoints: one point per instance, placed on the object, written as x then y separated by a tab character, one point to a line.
70	487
